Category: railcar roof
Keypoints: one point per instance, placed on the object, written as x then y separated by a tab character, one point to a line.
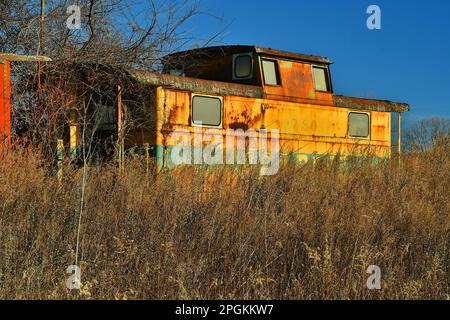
217	51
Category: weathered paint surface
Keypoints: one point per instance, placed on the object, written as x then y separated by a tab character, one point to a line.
306	130
5	106
296	85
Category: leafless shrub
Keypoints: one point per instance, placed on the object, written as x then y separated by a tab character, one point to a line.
114	35
427	133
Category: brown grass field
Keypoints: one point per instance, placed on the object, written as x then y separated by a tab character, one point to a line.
306	233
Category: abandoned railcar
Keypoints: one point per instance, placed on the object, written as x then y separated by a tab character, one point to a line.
246	87
235	89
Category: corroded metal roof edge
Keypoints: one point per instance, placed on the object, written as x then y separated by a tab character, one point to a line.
233	89
220	50
293	55
22	58
370	104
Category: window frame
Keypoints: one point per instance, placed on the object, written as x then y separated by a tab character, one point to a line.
237	55
368	137
277	72
327	75
193	124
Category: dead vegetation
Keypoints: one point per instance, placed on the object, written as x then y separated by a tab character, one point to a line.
306	233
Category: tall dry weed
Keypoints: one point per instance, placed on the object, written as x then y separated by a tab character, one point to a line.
309	232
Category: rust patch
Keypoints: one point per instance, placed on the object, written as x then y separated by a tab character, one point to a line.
239	125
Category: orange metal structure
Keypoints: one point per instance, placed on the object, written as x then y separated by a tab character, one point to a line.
5	94
5	106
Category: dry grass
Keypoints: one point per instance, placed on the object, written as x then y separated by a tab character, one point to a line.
307	233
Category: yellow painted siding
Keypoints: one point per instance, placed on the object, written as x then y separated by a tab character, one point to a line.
304	128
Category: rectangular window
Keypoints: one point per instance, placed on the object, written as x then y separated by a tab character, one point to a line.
358	125
207	111
242	66
270	70
321	82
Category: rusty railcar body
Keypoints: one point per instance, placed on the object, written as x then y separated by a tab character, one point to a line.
235	89
252	88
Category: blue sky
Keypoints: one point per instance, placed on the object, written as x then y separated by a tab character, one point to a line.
408	60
